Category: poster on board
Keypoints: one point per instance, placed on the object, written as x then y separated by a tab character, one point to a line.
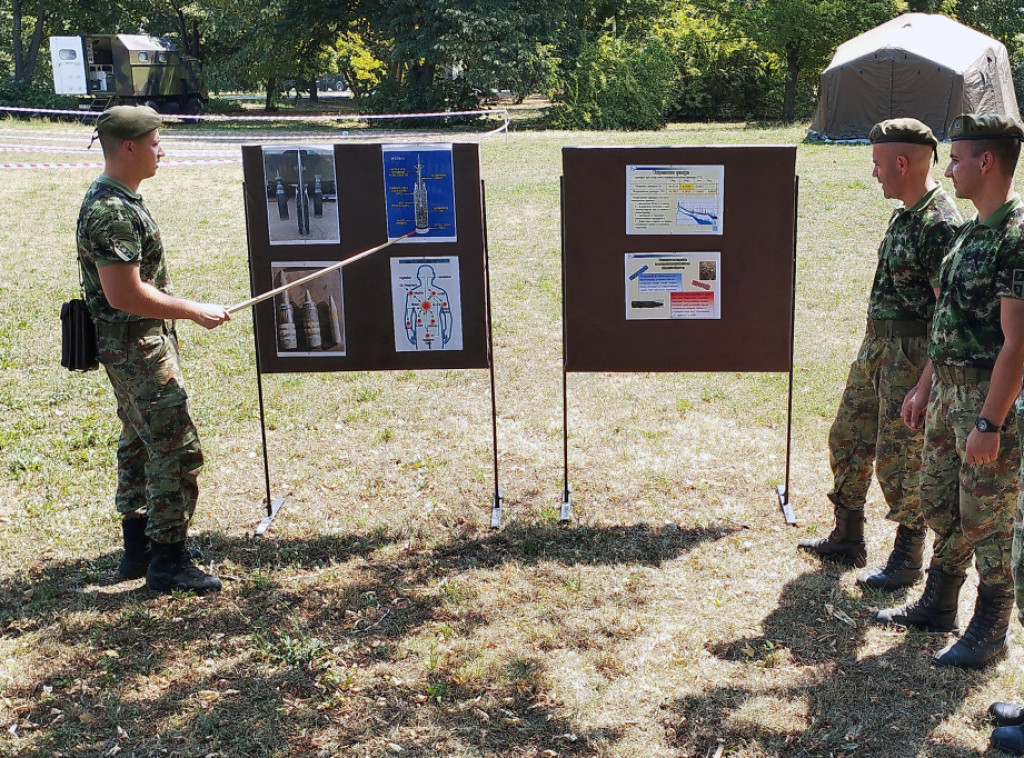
301	195
309	320
426	303
419	192
674	199
673	286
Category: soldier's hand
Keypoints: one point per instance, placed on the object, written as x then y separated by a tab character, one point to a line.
209	315
915	407
982	447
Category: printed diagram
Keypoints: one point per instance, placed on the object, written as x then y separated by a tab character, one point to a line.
674	199
419	189
309	319
302	200
427	304
695	213
673	286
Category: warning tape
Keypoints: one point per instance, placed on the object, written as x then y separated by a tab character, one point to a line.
239	139
7	148
306	117
169	163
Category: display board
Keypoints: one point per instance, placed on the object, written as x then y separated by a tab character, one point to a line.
678	258
419	304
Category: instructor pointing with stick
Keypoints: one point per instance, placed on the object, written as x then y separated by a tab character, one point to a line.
129	295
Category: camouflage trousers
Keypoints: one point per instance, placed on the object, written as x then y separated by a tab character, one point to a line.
158	453
971	508
868	430
1017	556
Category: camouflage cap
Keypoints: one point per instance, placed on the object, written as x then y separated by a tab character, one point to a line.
903	130
128	121
984	126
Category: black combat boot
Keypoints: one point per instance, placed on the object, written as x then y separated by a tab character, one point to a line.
1006	714
845	544
903	568
934	611
985	638
137	553
172	569
1009	739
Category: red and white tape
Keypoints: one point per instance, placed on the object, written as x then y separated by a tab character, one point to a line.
209	162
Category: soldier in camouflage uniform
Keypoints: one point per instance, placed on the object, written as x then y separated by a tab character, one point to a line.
971	461
129	295
868	429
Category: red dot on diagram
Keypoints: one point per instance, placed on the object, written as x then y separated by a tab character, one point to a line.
425	305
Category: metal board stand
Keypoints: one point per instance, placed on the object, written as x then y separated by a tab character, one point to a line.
273	505
498	499
783	489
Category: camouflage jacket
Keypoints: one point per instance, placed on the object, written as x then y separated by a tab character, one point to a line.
909	257
114	226
985	263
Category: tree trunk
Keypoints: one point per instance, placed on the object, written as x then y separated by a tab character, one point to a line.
792	75
25	63
19	60
271	94
314	96
37	40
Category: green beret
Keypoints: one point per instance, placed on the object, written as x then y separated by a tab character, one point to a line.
903	130
984	126
128	121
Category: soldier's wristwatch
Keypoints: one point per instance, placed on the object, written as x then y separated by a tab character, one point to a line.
982	424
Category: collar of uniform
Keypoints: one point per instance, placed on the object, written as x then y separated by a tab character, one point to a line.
116	184
1004	210
926	198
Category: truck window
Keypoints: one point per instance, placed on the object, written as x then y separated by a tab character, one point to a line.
143	57
67	55
161	57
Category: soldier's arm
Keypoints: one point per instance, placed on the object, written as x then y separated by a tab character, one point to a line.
124	289
915	404
1005	384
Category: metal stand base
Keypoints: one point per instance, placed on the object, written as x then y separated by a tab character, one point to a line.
499	500
785	505
267	520
566	512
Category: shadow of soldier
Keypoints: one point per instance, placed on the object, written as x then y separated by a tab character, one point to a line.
818	692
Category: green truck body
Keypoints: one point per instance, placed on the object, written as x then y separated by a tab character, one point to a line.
104	69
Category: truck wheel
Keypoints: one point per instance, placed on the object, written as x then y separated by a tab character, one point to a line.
193	106
152	104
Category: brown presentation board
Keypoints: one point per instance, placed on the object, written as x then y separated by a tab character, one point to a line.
414	305
678	258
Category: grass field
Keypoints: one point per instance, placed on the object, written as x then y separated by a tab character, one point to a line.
381	616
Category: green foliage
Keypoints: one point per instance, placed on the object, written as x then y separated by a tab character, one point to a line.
617	85
412	96
38	94
362	69
723	74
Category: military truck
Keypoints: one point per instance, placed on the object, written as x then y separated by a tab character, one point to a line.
127	69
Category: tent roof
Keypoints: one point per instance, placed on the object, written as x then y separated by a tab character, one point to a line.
931	36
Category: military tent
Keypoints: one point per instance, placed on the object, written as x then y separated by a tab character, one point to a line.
923	65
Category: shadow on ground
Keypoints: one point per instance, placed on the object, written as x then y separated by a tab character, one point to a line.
298	655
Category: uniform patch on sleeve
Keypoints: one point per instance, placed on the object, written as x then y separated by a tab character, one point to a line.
1018	283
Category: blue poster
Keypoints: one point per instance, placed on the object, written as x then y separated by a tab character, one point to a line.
419	191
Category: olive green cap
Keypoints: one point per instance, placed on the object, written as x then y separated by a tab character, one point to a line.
128	121
903	130
984	126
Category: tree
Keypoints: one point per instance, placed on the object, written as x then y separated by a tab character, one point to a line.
803	33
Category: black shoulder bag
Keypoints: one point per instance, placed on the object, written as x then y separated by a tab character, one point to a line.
77	333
